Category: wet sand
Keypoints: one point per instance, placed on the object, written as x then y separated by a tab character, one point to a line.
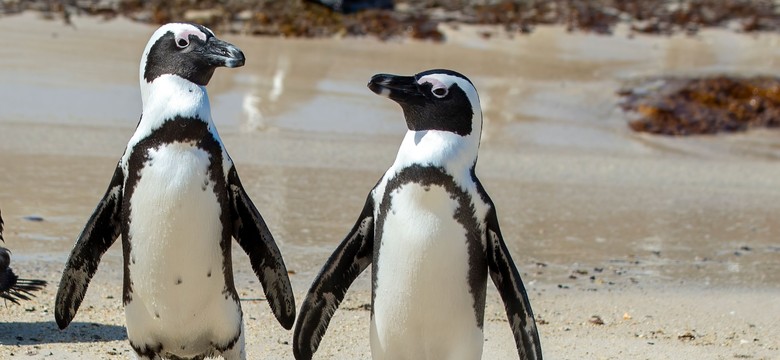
660	237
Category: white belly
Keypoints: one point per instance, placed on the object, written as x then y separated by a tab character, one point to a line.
422	306
176	262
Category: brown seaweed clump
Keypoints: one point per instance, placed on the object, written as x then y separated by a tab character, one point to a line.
691	106
420	19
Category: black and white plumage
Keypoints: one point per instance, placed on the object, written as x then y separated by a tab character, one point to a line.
431	233
177	201
12	288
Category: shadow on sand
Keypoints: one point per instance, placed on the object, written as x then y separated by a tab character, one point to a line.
26	333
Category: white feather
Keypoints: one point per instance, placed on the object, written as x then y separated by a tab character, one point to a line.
176	232
172	96
423	308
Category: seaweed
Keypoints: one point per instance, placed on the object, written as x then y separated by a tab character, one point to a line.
421	19
709	105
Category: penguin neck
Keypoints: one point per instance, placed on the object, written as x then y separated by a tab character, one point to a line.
175	93
169	97
455	153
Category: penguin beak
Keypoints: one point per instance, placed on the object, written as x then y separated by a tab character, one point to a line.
401	89
221	53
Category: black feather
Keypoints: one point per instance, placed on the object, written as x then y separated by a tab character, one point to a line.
12	288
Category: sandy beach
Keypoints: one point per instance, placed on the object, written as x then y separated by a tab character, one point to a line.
671	242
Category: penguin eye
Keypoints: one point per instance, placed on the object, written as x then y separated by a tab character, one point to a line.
182	43
439	92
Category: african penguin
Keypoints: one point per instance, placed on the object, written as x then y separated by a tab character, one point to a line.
176	200
431	232
12	288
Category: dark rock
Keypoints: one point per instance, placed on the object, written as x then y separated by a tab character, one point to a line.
352	6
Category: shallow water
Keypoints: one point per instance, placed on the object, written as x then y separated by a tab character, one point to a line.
576	191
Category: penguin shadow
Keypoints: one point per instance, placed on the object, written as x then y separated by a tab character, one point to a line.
47	332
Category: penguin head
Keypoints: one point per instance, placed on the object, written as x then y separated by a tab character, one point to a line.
189	51
439	99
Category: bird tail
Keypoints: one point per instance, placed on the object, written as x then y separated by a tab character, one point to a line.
15	289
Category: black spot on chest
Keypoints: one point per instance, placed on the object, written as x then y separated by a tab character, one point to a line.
178	129
465	215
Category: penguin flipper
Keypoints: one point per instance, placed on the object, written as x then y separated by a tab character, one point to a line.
99	234
509	284
350	258
253	235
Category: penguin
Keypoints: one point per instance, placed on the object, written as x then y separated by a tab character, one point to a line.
431	234
12	288
176	200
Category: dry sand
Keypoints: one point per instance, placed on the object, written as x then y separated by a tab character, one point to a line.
673	243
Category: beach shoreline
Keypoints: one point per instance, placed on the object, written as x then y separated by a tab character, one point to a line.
671	242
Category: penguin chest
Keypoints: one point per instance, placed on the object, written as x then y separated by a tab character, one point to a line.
422	300
176	259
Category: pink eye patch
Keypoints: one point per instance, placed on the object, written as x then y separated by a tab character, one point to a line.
433	81
186	35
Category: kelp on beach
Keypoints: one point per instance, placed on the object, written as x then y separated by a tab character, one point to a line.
420	19
691	106
668	106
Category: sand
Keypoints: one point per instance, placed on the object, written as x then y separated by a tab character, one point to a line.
671	242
